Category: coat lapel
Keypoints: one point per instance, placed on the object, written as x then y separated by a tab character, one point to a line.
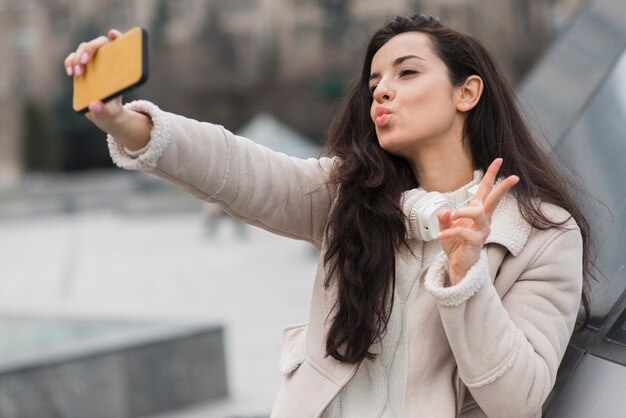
508	226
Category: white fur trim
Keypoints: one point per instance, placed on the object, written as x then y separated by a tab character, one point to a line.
138	152
292	352
147	157
460	292
508	226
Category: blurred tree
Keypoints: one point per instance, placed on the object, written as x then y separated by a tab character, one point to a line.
41	150
219	41
270	61
415	6
331	88
160	19
534	27
82	145
88	30
337	20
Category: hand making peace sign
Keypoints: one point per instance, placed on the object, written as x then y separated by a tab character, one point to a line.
464	231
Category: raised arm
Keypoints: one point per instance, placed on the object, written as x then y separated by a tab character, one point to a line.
282	194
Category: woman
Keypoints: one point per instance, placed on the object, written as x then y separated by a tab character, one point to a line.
415	311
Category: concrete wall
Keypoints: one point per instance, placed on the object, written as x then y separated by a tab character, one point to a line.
136	374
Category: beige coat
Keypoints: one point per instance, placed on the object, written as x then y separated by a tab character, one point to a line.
489	346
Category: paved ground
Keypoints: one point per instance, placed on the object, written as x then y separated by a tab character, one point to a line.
110	265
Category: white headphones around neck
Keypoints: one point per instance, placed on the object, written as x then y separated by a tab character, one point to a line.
423	208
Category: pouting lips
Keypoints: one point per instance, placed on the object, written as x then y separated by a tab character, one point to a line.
382	110
382	115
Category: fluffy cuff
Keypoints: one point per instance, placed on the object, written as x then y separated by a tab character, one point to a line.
460	292
147	157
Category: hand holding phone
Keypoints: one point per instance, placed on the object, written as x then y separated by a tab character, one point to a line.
105	68
104	107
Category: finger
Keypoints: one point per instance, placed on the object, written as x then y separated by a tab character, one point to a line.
91	48
96	108
69	67
444	219
500	190
85	53
470	236
488	179
95	111
114	34
113	106
476	213
99	111
76	65
102	110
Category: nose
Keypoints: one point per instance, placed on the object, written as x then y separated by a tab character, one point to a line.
383	92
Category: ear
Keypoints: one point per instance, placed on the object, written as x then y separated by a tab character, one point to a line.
468	94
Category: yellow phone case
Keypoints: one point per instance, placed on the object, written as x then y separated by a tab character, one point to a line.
115	68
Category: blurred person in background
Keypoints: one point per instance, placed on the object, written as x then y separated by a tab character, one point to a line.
213	215
442	290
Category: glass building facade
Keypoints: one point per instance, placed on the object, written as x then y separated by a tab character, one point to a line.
576	99
577	94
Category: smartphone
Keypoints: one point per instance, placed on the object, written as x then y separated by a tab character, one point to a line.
115	68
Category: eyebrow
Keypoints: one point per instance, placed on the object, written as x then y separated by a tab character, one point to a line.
397	62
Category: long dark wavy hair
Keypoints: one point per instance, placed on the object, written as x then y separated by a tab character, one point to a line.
366	226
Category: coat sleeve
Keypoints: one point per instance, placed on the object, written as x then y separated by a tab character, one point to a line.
508	350
281	194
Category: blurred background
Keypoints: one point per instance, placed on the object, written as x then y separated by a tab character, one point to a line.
223	61
91	257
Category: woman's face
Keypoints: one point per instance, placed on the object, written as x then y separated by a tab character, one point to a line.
413	99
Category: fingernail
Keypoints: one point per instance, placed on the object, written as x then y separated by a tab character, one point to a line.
69	71
96	108
84	58
77	70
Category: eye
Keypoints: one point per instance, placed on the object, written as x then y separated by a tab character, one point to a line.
407	71
373	88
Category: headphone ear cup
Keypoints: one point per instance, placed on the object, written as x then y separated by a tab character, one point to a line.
426	211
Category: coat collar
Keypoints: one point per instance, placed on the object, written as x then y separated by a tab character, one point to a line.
508	226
